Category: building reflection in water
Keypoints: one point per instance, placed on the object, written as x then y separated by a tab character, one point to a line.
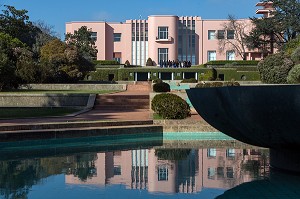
175	170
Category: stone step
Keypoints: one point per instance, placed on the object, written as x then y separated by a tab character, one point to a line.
65	125
121	107
122	97
138	87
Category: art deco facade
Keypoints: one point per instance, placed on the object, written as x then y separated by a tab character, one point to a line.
165	37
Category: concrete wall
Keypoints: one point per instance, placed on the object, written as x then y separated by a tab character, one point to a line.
44	100
112	87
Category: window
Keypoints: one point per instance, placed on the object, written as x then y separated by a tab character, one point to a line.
163	33
220	172
212	55
163	54
117	170
230	34
221	34
211	152
230	55
162	173
94	36
230	153
211	34
117	37
211	173
229	172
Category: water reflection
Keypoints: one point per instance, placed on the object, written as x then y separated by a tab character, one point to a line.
156	169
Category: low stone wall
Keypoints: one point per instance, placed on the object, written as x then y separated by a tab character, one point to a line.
45	100
112	87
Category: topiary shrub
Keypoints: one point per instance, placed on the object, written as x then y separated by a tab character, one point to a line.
294	75
203	85
170	106
161	87
127	63
191	80
296	56
155	81
149	62
274	69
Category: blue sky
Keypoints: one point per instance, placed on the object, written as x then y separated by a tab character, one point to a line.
58	12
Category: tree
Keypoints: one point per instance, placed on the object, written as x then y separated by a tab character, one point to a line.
8	59
16	24
270	33
237	44
82	40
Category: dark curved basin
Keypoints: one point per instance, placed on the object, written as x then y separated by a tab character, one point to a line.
267	115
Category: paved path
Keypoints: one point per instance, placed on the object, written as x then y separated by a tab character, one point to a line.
97	114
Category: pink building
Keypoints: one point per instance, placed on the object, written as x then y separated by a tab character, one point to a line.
167	37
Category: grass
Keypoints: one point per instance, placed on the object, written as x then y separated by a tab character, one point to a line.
157	117
29	91
11	113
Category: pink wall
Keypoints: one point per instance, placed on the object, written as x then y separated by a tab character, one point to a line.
124	46
162	20
104	41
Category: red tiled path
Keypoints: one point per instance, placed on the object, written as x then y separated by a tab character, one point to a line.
109	107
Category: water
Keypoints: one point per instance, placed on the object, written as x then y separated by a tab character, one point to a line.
209	165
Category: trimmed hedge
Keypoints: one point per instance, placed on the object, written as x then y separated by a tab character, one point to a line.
191	80
161	87
204	74
233	62
216	84
106	62
170	106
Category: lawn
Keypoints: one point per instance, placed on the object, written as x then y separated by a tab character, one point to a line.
10	113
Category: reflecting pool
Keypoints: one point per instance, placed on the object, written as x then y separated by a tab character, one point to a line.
209	165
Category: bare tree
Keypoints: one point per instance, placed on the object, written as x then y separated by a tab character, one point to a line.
232	36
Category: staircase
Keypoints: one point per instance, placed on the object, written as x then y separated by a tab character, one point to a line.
122	102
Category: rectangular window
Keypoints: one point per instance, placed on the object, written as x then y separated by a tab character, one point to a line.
163	54
221	34
117	37
94	36
163	33
229	172
211	34
230	152
220	172
117	170
211	172
211	55
162	173
230	34
211	152
230	55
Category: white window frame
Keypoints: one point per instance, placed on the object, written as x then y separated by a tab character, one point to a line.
211	55
163	54
163	32
211	34
230	55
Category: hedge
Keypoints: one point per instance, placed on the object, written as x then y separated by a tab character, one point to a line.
106	62
233	62
204	74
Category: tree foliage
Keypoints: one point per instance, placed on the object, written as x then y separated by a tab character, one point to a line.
82	40
270	33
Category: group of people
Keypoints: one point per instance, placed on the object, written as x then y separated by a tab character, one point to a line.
175	64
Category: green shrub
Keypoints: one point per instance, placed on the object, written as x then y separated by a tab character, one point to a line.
106	62
127	63
191	80
149	62
170	106
274	68
216	84
294	75
157	81
203	85
161	87
296	56
291	46
232	62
